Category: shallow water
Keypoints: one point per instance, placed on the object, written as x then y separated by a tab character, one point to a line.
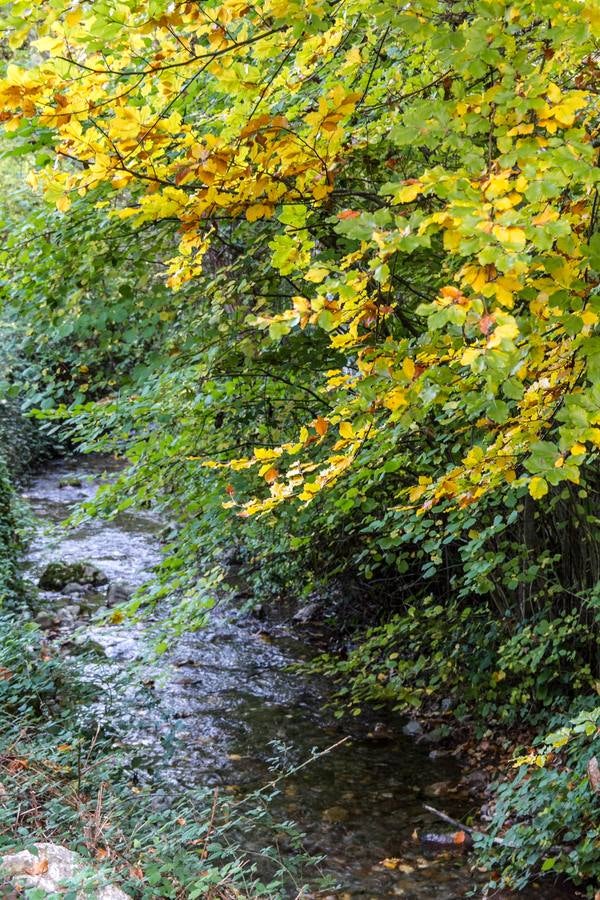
229	691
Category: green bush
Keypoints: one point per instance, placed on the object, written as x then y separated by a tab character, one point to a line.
10	538
491	670
546	819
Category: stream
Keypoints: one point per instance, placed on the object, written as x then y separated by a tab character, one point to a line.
231	693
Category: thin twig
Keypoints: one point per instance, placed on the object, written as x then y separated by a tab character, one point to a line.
211	823
446	818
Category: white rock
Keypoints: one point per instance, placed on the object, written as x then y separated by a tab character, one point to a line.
49	869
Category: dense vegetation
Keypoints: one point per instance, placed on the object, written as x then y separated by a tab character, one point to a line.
328	272
64	781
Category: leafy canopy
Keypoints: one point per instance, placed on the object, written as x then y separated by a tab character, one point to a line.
356	137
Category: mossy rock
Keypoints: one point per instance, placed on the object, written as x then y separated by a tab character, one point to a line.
58	574
70	481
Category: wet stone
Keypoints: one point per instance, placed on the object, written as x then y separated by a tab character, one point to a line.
92	602
59	574
46	618
307	613
118	592
73	588
86	644
438	789
68	614
413	728
335	814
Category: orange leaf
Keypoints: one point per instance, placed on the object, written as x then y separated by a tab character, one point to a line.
348	214
38	868
271	475
321	426
451	292
485	323
459	837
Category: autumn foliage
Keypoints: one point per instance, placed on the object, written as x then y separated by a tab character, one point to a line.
327	274
396	131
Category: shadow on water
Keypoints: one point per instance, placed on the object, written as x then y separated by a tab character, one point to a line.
233	702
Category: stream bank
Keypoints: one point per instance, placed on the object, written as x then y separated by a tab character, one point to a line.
232	704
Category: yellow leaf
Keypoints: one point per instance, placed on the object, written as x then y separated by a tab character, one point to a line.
258	211
346	429
452	239
469	356
395	398
474	456
266	453
320	191
63	204
408	367
408	192
578	449
316	275
549	214
513	237
538	487
553	93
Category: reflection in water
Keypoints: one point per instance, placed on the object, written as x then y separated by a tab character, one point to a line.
228	696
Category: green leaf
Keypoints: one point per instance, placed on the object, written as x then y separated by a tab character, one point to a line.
498	411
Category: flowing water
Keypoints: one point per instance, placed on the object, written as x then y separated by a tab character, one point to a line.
231	693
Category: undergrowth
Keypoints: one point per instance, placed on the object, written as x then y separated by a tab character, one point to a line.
72	773
546	818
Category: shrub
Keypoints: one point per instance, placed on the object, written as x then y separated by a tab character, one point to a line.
492	669
10	540
546	819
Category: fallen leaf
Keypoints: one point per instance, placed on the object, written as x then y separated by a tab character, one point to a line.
37	868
